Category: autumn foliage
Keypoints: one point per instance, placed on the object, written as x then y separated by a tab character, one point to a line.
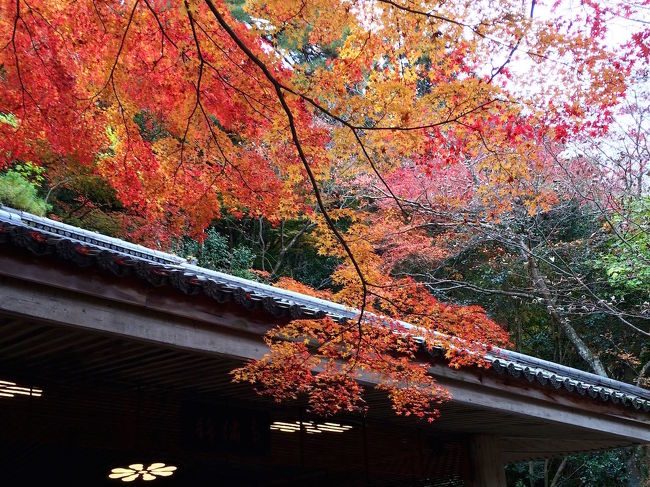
360	117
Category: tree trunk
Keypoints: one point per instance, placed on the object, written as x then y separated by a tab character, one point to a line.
546	462
557	476
542	288
644	371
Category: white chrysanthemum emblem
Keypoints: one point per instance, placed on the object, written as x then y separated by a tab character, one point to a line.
137	470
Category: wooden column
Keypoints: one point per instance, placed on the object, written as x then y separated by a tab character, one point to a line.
485	463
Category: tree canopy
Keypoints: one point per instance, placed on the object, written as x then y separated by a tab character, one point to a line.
396	136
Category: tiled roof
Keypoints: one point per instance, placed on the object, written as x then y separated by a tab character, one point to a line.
43	236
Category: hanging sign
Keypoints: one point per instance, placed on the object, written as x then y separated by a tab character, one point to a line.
234	431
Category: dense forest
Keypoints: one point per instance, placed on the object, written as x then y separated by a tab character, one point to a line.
476	168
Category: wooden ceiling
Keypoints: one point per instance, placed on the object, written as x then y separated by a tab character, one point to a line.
95	385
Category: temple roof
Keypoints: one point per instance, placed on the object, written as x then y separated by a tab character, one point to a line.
43	236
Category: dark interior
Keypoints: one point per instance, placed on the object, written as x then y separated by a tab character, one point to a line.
109	402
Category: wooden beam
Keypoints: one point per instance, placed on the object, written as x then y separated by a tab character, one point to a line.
130	291
483	378
486	463
634	430
77	310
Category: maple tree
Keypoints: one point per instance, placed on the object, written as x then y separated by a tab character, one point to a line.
336	115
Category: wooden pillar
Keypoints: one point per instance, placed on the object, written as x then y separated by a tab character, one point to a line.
485	463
